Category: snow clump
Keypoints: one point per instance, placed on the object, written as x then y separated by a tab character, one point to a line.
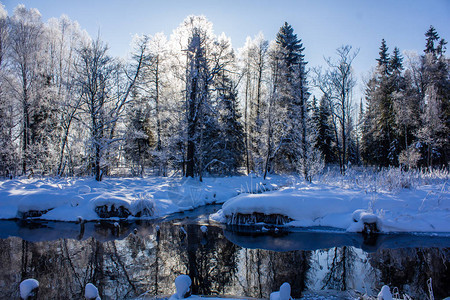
28	288
183	286
283	294
385	293
91	292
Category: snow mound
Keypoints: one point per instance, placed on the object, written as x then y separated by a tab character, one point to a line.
312	206
385	293
424	209
91	292
65	199
183	286
28	287
283	294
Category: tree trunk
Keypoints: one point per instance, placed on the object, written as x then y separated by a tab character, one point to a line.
246	122
191	130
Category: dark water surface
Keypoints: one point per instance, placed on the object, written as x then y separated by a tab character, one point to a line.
134	258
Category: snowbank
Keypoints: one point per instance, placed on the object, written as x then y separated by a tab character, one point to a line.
74	199
422	209
327	203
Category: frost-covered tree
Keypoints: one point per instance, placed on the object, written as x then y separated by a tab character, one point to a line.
139	140
435	130
153	84
383	149
229	144
337	85
105	87
95	71
287	136
207	59
63	36
8	153
253	68
25	48
197	85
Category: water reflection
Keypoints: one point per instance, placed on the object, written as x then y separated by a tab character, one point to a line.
128	260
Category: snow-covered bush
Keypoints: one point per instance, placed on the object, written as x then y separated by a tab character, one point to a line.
409	157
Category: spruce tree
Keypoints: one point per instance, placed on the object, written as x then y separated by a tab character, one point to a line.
382	147
383	60
432	37
434	131
231	136
293	87
324	133
139	140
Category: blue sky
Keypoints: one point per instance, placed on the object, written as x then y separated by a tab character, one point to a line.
322	25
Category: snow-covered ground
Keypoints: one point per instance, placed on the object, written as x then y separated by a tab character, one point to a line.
394	200
75	199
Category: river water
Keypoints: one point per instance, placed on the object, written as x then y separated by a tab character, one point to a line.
131	259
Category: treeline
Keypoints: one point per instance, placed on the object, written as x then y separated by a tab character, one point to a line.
192	104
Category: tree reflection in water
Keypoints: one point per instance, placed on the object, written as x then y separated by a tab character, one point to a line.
124	263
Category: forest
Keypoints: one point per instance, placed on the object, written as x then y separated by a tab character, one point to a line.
189	104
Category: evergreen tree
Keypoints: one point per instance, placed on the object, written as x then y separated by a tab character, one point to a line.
384	60
292	85
434	131
324	134
224	142
139	140
432	37
396	62
382	147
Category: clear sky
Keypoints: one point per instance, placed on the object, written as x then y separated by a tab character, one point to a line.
323	25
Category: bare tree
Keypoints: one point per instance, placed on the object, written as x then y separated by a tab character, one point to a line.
26	29
254	57
337	85
95	71
63	36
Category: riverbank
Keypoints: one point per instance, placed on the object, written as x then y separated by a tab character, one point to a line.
393	200
76	199
386	201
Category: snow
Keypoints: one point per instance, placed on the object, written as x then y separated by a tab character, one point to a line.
385	293
75	199
423	208
283	294
393	204
183	285
27	286
91	291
